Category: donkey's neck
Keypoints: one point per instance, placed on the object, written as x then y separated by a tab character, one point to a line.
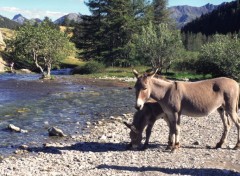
159	88
140	120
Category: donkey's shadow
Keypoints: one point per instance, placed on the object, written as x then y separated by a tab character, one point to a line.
81	146
90	147
101	147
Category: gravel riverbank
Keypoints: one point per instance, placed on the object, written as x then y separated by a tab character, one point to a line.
102	152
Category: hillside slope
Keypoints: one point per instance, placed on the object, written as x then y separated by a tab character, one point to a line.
7	23
225	19
185	14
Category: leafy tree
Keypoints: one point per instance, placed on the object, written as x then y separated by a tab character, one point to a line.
158	45
47	21
40	46
194	42
221	57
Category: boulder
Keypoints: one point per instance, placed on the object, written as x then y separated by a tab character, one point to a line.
16	129
54	131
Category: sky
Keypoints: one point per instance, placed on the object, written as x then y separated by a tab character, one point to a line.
55	9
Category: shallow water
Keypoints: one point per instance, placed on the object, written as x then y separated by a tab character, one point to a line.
26	104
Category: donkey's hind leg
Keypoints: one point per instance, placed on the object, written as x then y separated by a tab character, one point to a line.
226	125
236	120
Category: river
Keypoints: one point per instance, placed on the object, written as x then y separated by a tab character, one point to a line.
36	105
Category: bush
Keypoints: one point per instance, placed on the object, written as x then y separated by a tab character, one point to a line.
89	68
187	61
221	57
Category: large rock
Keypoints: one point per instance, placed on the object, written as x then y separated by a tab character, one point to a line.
16	129
54	131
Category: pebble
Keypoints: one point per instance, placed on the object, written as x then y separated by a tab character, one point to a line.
102	152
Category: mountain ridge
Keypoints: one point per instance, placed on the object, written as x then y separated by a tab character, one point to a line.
185	14
180	14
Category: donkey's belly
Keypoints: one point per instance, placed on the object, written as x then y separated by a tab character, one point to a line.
194	112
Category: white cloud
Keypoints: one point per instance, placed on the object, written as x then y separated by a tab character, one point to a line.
32	13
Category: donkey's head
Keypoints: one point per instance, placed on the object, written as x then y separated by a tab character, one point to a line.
135	136
143	88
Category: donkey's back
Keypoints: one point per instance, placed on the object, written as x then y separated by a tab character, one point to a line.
203	97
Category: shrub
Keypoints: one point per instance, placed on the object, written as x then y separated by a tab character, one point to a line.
221	57
186	62
89	68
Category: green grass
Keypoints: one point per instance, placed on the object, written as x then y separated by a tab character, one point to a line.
120	72
186	75
117	72
71	62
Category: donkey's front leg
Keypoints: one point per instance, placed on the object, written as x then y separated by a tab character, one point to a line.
172	131
176	131
169	145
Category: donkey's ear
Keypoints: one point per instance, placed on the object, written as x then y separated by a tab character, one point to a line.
127	125
135	73
152	73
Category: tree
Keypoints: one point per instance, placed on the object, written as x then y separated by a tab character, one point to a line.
105	35
117	30
221	57
40	46
158	45
87	35
160	12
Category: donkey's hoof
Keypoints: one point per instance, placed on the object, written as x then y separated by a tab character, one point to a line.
177	145
219	145
174	150
145	147
129	146
237	147
168	148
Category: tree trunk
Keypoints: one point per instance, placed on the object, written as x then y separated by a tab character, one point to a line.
48	75
36	63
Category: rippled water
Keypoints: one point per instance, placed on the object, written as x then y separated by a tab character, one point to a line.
67	108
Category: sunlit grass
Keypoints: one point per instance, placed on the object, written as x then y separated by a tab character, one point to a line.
71	62
7	33
186	75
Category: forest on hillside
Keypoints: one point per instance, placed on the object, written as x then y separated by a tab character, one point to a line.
225	19
7	23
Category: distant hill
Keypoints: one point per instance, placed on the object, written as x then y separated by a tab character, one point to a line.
225	19
19	19
7	23
66	20
185	14
35	20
